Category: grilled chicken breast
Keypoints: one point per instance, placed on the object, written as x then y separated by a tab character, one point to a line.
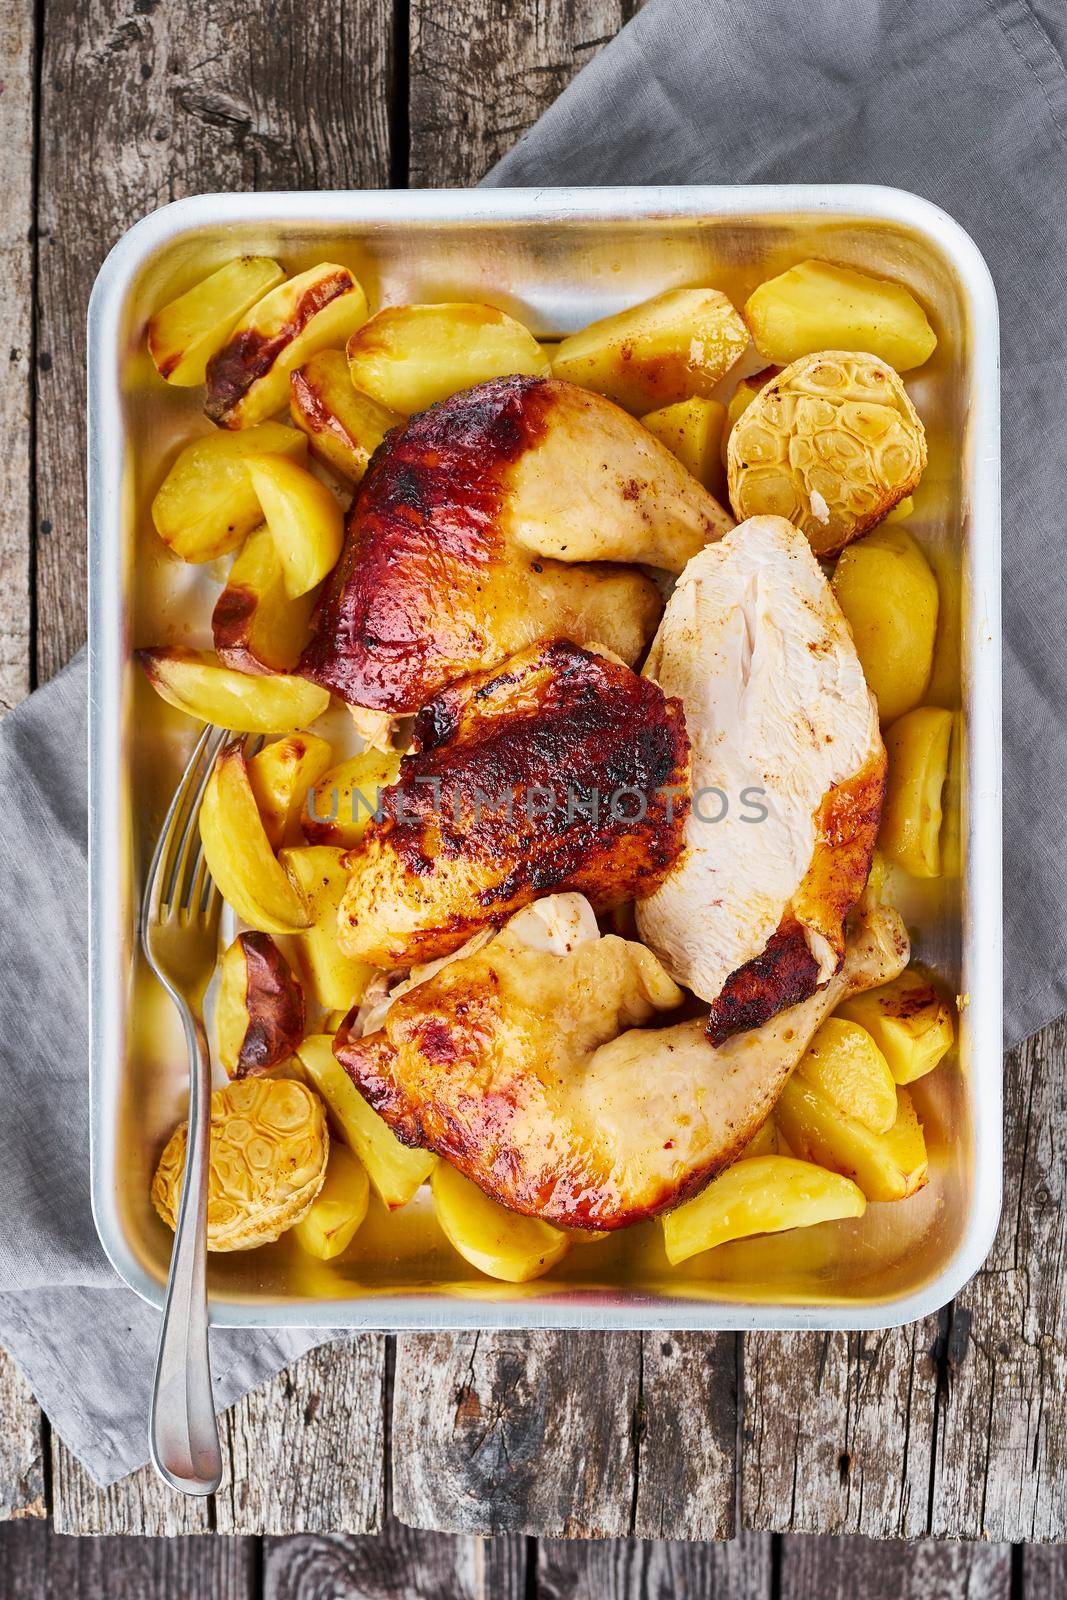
788	772
473	532
530	1072
558	770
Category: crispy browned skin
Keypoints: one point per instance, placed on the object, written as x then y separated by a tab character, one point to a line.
274	1000
786	971
560	770
489	521
247	356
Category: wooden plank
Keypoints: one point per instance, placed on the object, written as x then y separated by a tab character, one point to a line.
688	1436
838	1431
482	71
306	1453
637	1569
35	1564
839	1569
516	1432
139	1504
1001	1465
17	72
21	1447
398	1564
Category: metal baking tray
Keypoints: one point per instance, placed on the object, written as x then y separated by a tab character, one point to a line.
556	258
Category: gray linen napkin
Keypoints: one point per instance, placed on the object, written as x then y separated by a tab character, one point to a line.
965	102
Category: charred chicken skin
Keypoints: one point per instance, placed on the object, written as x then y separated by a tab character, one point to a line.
486	523
559	770
530	1071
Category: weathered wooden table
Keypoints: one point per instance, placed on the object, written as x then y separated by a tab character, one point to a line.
956	1427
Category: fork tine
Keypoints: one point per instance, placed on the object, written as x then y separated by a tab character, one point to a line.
161	868
176	895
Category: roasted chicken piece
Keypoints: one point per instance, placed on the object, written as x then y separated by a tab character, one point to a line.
524	1068
473	532
788	777
559	769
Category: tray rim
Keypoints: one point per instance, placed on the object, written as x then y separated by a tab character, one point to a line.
982	901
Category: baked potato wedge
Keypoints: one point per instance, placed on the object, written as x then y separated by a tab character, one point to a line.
408	357
259	1012
343	426
845	1064
819	306
917	747
887	590
337	980
761	1194
908	1020
206	505
186	333
257	627
346	797
395	1171
281	775
886	1166
238	853
692	430
196	682
666	349
303	517
496	1241
248	379
328	1227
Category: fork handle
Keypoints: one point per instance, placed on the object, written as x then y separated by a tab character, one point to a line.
183	1431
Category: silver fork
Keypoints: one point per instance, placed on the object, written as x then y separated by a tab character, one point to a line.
179	933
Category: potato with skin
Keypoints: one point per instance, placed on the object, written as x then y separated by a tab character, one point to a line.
248	379
259	1013
917	746
409	357
238	853
762	1194
335	1215
186	333
819	306
496	1241
395	1171
887	590
886	1166
198	683
281	774
304	519
692	430
910	1022
666	349
256	626
845	1064
346	797
337	980
206	505
344	427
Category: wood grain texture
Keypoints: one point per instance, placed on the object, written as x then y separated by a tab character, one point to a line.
22	1487
306	1453
139	1504
398	1564
35	1564
838	1431
648	1569
156	100
1001	1465
687	1436
840	1569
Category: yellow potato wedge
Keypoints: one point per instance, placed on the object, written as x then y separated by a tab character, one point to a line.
887	1166
917	746
819	306
346	797
337	1211
409	357
206	505
337	981
186	333
196	682
259	1012
764	1142
248	379
887	590
343	426
238	853
901	512
765	1194
910	1022
498	1242
395	1172
304	519
692	430
669	348
281	775
256	626
845	1064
